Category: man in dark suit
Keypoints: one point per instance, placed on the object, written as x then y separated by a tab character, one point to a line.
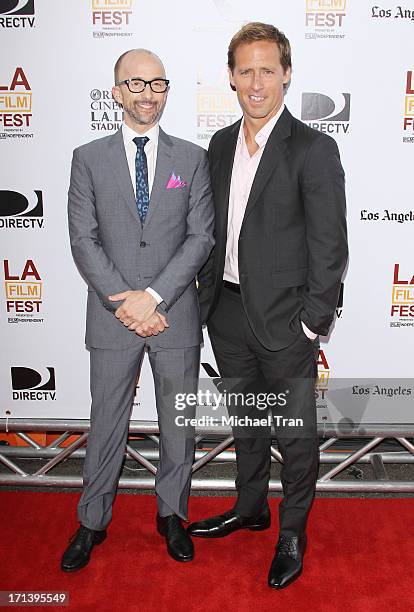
271	284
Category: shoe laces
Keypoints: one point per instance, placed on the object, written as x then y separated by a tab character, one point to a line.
82	534
286	547
175	525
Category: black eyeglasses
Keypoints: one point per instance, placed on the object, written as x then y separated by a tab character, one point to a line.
136	85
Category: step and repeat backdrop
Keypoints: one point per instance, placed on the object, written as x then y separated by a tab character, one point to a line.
353	78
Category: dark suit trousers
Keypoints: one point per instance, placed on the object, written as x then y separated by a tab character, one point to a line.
247	366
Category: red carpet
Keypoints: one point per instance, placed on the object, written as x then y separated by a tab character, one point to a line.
360	558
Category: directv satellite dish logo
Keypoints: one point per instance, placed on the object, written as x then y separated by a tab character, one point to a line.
17	14
326	114
18	210
33	385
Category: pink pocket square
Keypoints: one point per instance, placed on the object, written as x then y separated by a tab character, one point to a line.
175	182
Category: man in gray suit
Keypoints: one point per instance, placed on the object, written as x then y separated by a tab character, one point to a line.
140	223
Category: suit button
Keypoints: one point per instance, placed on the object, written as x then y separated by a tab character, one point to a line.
142	244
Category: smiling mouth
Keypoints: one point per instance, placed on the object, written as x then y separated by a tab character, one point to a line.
146	105
256	99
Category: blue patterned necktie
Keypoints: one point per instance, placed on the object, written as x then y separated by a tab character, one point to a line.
141	178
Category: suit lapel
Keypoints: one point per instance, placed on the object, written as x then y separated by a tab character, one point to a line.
163	171
120	170
274	151
225	169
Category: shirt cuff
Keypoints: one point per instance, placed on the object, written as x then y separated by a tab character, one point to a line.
311	335
155	295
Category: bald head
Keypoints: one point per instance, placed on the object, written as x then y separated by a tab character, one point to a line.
142	108
129	63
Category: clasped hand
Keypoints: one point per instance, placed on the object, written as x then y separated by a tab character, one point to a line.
137	313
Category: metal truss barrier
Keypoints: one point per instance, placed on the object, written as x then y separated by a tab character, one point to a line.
55	454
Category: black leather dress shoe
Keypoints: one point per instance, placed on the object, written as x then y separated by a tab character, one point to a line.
78	552
287	562
224	524
179	544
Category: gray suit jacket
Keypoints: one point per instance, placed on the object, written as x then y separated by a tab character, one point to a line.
114	253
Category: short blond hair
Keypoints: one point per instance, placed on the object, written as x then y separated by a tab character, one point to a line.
254	31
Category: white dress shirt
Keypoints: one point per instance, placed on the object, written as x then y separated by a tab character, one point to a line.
243	173
151	149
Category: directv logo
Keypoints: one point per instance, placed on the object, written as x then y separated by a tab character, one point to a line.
325	114
19	211
17	7
32	385
17	14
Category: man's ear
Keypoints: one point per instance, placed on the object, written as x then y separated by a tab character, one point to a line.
287	76
116	94
231	80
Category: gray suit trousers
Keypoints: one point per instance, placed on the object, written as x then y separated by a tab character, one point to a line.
113	376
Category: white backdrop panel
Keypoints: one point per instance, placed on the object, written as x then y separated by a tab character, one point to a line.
67	62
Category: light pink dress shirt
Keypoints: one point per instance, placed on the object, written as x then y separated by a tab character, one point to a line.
244	171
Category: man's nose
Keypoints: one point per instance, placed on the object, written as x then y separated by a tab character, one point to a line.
147	91
257	82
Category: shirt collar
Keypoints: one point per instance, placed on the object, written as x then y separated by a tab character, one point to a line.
129	134
262	135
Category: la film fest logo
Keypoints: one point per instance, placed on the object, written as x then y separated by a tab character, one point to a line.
105	113
216	106
325	18
24	292
327	114
111	18
21	210
322	379
402	306
408	119
33	385
323	371
16	107
17	14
